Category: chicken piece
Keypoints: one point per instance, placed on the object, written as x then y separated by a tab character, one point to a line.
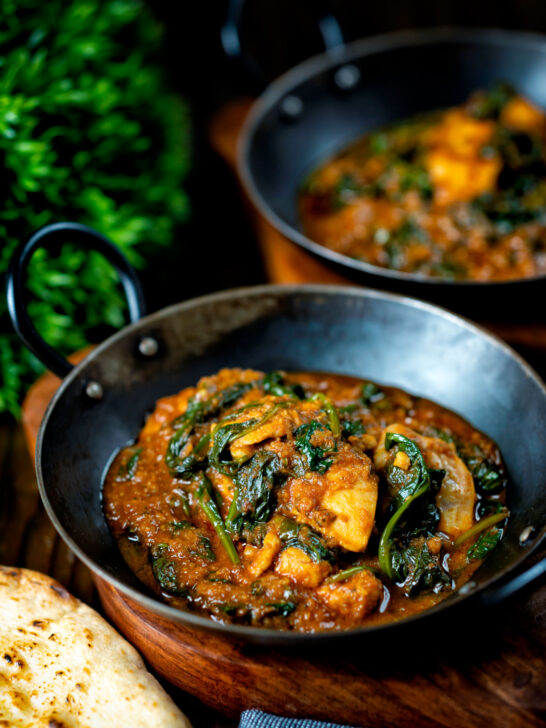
264	557
279	417
459	179
522	115
296	564
453	161
339	503
355	597
227	378
457	496
279	420
460	134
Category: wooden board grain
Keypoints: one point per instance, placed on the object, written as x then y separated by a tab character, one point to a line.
487	673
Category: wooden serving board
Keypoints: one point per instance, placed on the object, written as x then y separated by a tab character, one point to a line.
489	670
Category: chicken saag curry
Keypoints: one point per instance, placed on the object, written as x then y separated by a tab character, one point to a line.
305	501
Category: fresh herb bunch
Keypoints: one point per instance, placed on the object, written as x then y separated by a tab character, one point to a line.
89	131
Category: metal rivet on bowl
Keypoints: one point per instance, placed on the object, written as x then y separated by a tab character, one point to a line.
526	535
467	588
94	390
148	346
291	108
347	77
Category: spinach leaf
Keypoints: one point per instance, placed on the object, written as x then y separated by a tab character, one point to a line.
257	589
235	610
419	475
329	407
483	525
208	504
164	571
487	507
254	499
485	544
183	426
274	383
315	455
230	395
204	549
352	428
217	579
348	409
488	476
296	535
186	467
415	177
425	518
223	436
436	478
415	486
379	142
418	570
198	411
489	104
507	211
372	396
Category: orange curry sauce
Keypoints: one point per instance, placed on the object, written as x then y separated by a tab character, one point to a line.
455	194
304	501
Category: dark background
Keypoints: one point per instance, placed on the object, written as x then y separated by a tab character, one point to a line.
217	248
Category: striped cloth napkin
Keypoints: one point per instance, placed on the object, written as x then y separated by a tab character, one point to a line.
257	719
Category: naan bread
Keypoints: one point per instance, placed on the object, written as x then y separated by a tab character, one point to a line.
63	666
